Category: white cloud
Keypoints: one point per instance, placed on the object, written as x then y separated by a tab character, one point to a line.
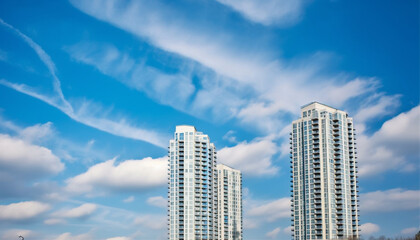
69	236
129	199
54	221
253	158
272	210
230	136
126	175
83	114
273	88
369	228
26	159
376	106
391	200
250	223
410	231
269	12
152	221
83	211
393	147
158	201
273	233
288	230
403	129
45	135
119	238
37	132
22	210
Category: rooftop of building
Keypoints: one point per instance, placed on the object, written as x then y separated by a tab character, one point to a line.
318	105
224	166
185	128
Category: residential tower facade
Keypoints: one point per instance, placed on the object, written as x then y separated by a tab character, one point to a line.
192	186
324	174
229	187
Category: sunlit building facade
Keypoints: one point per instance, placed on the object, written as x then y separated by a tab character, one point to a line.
229	187
324	174
192	191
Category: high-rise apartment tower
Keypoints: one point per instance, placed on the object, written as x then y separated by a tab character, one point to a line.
192	192
229	187
324	174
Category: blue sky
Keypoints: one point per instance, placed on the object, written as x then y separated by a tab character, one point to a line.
91	92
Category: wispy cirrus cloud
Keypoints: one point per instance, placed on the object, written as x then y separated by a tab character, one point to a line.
377	105
215	96
158	201
119	238
269	12
166	88
273	233
83	114
70	236
391	200
152	221
81	212
46	59
275	88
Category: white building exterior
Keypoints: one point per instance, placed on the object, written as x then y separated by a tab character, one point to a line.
229	207
192	191
324	174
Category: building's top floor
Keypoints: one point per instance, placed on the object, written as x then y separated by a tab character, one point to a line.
186	131
319	107
185	128
225	167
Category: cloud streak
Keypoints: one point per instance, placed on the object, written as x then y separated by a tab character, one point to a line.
82	115
390	200
269	12
274	88
82	211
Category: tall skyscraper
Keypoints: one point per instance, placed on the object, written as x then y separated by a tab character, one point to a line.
229	187
192	192
324	174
